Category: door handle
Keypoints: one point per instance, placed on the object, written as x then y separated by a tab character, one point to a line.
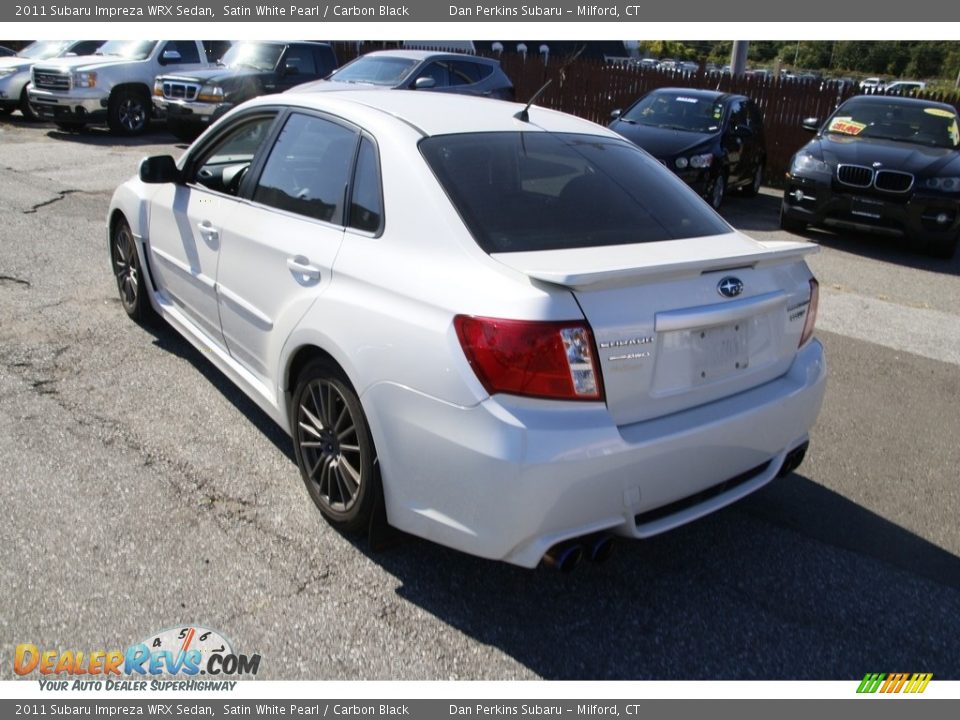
207	229
301	266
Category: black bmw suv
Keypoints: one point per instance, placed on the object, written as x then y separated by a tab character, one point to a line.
884	165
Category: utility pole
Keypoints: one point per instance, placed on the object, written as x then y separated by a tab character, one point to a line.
738	57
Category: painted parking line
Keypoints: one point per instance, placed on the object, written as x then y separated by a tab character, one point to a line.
931	333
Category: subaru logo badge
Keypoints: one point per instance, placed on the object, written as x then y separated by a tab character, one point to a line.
730	287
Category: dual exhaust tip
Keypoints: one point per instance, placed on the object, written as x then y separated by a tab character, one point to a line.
567	555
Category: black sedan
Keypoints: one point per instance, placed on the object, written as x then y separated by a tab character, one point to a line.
884	165
714	141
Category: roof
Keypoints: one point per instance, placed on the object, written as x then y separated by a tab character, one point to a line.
421	55
436	113
696	92
899	100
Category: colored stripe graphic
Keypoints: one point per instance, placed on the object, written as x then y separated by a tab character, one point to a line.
918	683
871	682
894	682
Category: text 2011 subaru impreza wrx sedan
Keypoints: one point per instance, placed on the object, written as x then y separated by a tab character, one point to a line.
518	330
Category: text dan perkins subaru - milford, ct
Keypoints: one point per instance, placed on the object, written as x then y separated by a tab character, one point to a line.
509	328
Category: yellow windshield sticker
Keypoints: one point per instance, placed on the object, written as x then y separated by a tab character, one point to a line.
939	112
846	125
954	133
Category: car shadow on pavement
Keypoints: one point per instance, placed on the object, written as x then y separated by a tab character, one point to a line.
167	339
754	214
896	251
103	137
795	582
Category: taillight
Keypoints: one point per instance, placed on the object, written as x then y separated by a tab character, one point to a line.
811	318
537	359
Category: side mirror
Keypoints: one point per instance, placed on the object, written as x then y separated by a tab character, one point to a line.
290	69
424	83
170	56
742	131
158	170
616	114
811	123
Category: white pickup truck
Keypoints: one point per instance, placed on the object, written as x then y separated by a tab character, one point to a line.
113	86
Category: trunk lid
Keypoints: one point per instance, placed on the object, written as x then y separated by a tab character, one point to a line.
668	338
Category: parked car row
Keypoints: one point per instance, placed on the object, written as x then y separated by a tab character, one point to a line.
124	84
15	70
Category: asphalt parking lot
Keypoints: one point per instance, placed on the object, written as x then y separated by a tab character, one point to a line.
142	491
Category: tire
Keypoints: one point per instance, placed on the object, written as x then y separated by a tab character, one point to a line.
943	248
68	126
334	448
128	112
716	191
128	274
186	132
753	189
790	224
25	109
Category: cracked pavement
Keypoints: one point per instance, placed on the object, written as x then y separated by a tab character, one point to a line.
142	491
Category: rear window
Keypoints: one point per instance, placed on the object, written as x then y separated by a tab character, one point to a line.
519	192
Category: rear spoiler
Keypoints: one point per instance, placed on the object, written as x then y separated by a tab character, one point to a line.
600	268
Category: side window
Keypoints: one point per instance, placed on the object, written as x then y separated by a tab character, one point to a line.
87	47
756	119
366	205
472	72
299	60
223	166
326	60
187	49
437	71
738	114
308	168
214	49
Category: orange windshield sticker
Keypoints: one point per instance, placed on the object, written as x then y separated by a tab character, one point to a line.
846	126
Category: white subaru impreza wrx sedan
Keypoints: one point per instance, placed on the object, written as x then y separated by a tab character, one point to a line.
509	328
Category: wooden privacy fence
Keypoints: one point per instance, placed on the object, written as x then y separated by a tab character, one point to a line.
592	89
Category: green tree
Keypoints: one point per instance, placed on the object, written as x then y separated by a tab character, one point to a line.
926	60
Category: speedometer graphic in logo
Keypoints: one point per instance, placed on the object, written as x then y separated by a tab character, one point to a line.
199	641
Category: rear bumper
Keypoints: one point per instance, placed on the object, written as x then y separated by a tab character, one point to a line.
510	477
74	107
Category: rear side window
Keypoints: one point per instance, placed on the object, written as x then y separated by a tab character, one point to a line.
519	192
308	168
366	205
